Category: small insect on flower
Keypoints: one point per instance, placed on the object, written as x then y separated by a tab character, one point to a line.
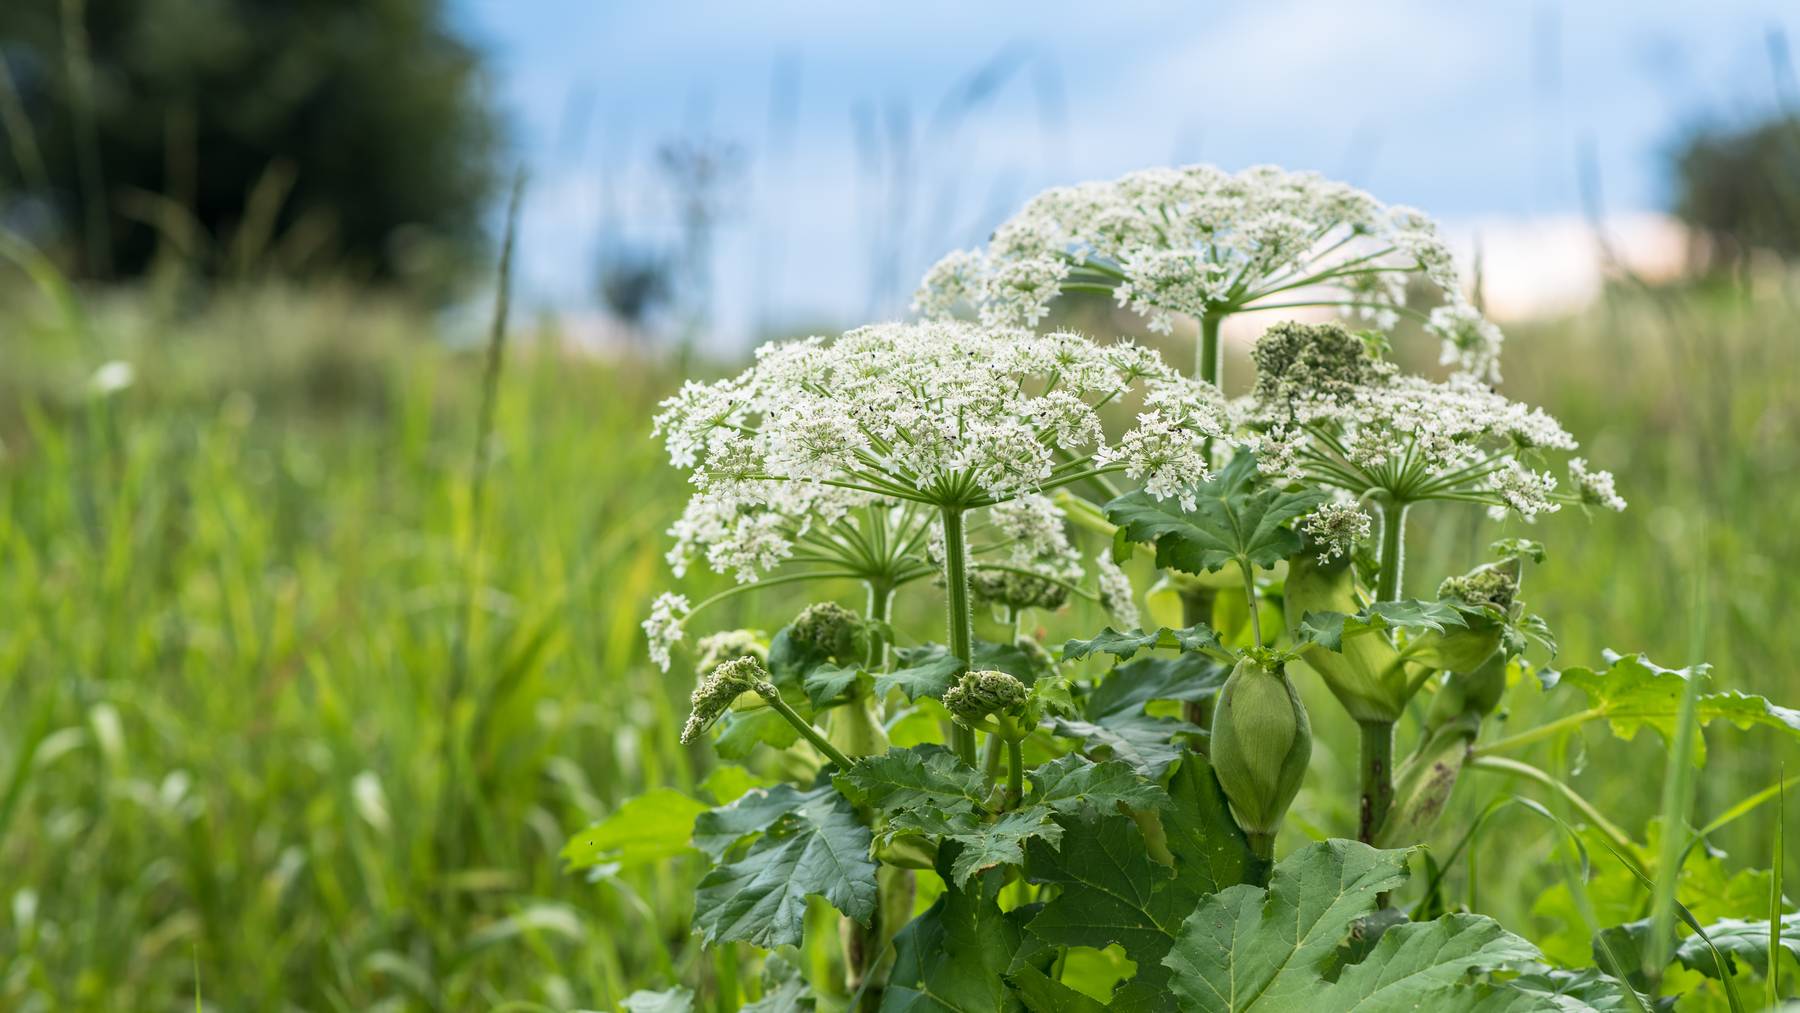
1198	241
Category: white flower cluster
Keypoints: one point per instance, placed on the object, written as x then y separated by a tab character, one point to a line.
1198	240
663	628
1337	527
1321	415
934	413
1594	487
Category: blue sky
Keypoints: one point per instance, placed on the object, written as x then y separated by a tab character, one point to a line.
872	138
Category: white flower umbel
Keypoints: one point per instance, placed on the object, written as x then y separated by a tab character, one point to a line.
1200	242
852	455
1325	413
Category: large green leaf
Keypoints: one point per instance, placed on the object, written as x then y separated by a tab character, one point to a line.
716	830
1740	940
1110	891
679	999
927	790
1236	517
1634	692
1076	785
922	776
1428	965
954	957
1210	852
817	848
656	825
1198	637
1247	948
1114	720
1328	629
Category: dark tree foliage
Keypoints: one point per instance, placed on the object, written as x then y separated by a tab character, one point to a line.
1740	187
357	130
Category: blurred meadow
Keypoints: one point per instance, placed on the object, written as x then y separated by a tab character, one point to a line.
319	606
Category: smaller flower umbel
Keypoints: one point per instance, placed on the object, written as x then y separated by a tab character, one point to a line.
1200	242
1325	412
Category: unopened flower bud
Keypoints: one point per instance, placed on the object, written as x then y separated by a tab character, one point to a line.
1312	360
713	696
979	694
1017	590
1493	586
832	630
1261	743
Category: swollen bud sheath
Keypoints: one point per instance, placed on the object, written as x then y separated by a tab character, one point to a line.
1493	586
1366	676
1261	742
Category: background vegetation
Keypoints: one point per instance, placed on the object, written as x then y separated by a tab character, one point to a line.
284	726
303	685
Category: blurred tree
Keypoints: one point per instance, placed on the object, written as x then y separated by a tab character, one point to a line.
244	134
1740	188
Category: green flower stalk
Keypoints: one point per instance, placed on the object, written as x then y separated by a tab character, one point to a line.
1261	743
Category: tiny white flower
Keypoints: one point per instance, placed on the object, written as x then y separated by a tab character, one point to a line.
663	628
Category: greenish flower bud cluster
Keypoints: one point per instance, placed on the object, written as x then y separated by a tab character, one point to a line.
979	694
1017	590
726	645
1261	743
713	696
1312	360
1495	584
832	630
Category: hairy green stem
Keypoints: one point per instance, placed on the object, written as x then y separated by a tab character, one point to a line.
960	618
1377	778
768	692
1393	551
1015	771
1549	730
1209	355
1197	607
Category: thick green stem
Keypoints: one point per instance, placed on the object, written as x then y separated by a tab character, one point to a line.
960	618
1393	551
1015	771
1209	356
1377	778
1197	607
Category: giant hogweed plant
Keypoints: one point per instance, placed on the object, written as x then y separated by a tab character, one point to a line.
999	822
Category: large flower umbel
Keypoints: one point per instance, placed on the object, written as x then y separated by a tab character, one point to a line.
1202	242
848	452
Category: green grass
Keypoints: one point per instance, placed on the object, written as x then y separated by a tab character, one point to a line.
231	598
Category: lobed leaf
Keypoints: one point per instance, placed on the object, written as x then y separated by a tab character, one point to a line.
1329	629
817	848
1198	637
954	957
1236	517
1114	718
1634	692
1078	786
1739	939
